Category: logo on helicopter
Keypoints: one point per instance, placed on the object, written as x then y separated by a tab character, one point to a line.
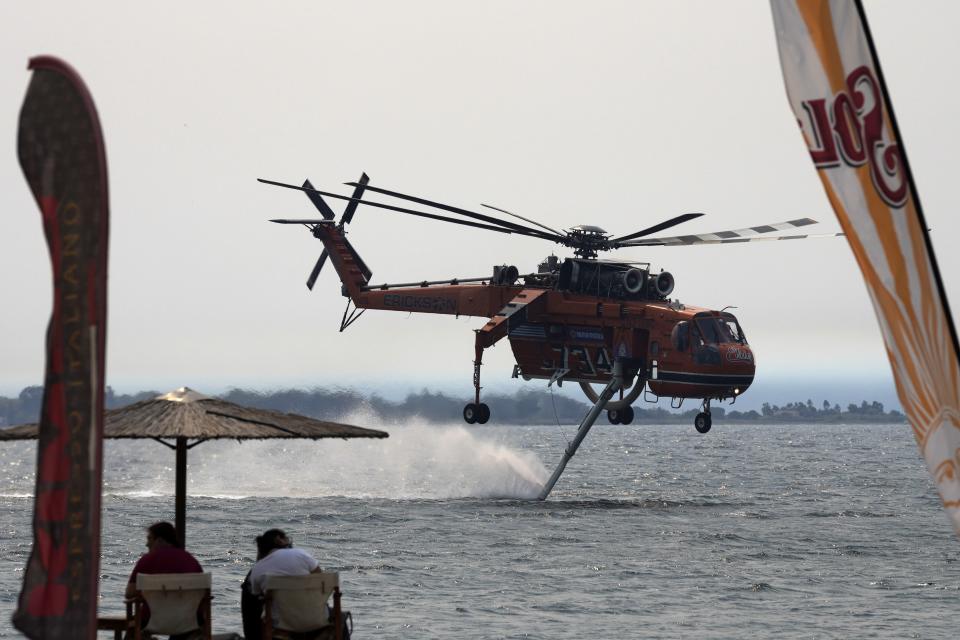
582	359
588	334
739	355
420	303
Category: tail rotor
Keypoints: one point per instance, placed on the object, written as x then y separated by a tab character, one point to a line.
319	202
328	214
316	270
355	199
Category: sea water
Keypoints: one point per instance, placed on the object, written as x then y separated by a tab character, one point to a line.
653	531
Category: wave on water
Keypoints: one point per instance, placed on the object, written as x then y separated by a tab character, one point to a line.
848	513
136	493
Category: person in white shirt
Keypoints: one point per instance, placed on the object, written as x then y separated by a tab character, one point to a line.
276	556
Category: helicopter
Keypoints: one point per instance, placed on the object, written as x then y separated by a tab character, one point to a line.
578	319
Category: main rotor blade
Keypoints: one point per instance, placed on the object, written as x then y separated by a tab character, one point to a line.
516	228
805	236
352	205
291	221
379	206
733	234
666	224
316	270
318	202
542	226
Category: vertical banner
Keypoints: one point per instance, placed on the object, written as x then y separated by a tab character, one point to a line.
60	147
836	89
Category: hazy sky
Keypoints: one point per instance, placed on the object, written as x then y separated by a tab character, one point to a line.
618	114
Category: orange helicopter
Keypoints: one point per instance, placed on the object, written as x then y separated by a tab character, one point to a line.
571	320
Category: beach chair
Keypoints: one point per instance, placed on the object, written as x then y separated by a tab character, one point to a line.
174	599
298	603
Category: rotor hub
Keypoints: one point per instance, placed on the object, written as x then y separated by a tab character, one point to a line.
587	240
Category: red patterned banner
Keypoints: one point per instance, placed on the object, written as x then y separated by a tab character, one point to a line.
61	153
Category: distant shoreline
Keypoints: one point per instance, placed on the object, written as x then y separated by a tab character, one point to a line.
525	407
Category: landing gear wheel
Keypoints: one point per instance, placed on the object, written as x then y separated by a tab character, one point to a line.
626	415
483	413
470	413
613	416
703	422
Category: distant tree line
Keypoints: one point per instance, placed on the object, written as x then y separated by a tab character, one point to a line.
527	406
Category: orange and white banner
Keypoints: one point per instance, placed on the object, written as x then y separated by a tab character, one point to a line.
836	90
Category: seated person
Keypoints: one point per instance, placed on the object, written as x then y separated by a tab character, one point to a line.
275	556
164	555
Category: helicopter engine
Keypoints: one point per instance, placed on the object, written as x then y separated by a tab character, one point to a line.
612	280
633	280
504	275
663	284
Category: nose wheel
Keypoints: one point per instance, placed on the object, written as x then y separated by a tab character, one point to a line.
620	416
703	421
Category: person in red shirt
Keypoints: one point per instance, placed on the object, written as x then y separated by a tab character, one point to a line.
164	555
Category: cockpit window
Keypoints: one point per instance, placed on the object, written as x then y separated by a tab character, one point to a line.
720	330
731	330
709	330
680	336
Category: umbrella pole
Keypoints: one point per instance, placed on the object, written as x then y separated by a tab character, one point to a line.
181	498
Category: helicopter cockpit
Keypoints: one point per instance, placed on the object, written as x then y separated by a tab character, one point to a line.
707	331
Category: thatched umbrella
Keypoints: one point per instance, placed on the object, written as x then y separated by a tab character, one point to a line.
174	419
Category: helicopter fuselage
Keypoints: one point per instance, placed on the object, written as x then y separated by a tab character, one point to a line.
574	337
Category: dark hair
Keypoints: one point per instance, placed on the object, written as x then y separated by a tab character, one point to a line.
269	541
165	531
